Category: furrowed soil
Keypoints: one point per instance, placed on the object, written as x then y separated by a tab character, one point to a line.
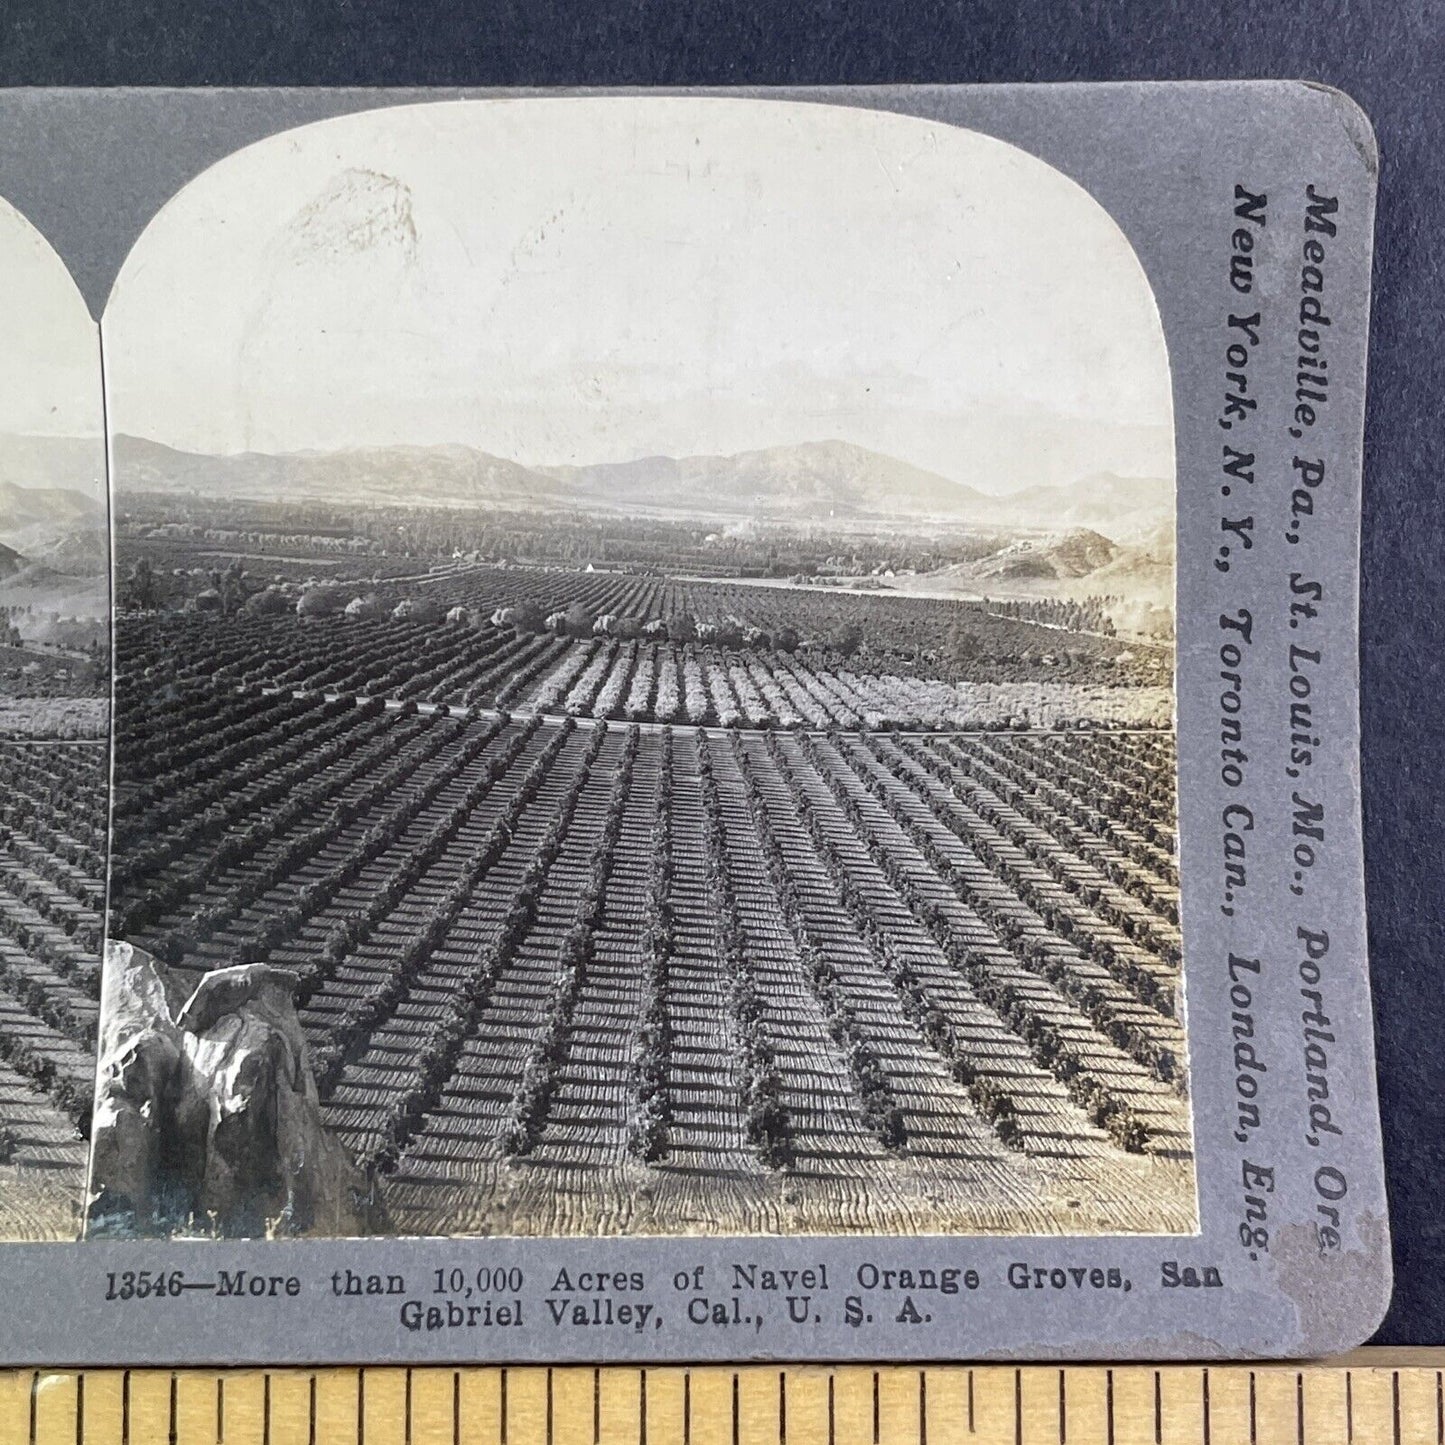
618	934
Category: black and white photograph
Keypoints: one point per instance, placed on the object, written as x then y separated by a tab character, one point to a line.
54	682
644	688
680	727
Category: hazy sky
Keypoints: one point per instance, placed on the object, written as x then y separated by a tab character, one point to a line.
580	280
49	350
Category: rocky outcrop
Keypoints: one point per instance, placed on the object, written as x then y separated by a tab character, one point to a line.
206	1113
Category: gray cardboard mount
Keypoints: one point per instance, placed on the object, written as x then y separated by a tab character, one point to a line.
1293	1219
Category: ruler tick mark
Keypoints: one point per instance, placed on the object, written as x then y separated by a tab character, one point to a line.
1329	1414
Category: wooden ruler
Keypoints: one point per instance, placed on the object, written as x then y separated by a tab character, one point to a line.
1391	1397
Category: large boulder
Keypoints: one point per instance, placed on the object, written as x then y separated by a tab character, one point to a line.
207	1116
139	1065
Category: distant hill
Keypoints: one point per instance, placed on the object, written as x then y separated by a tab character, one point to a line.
22	506
25	582
434	475
808	482
1144	571
814	480
62	526
1076	554
22	574
1080	563
12	564
39	463
1122	507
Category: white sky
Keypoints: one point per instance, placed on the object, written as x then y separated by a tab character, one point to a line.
582	280
49	349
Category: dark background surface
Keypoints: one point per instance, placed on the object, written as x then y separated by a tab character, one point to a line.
1390	57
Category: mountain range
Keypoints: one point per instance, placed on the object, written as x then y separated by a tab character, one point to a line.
814	480
46	506
61	528
809	482
39	463
54	550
